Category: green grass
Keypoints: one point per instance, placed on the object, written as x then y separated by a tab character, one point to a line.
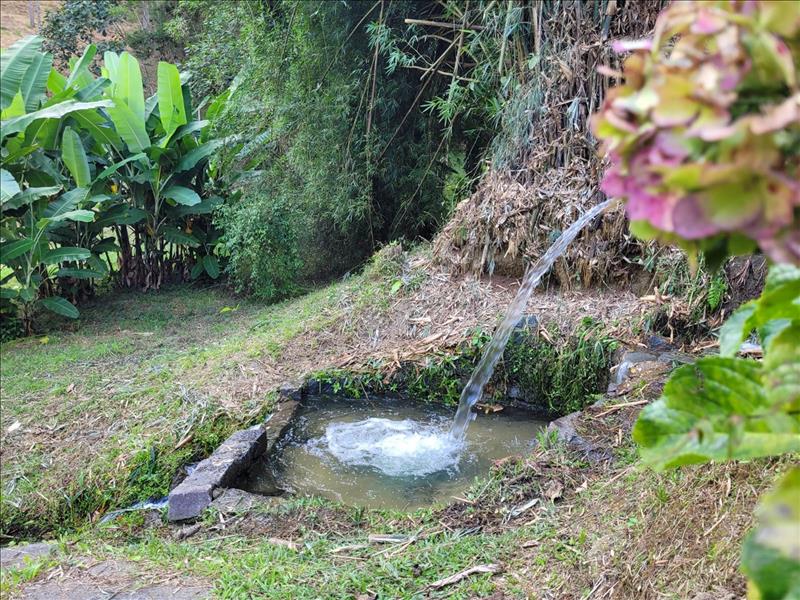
102	401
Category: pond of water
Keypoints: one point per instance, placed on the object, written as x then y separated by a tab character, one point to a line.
386	453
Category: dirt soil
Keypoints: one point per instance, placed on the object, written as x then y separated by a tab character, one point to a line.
15	20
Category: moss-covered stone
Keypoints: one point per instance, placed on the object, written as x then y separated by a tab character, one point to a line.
552	377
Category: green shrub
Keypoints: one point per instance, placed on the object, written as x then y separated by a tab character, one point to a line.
261	237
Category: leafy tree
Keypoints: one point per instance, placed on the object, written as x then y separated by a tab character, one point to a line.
94	172
77	23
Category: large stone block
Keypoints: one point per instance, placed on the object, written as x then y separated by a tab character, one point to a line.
220	469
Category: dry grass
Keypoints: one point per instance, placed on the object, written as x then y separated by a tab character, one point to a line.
546	171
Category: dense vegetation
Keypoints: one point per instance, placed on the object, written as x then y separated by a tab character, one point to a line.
95	171
293	139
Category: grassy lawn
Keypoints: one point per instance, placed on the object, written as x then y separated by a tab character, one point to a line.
93	409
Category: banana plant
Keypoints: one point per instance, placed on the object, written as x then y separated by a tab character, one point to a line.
93	171
162	176
37	197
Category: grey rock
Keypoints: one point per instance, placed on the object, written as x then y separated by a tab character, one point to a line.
658	343
188	501
279	421
291	390
567	433
220	469
234	500
638	357
16	556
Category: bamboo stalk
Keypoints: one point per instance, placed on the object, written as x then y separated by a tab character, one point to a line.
442	24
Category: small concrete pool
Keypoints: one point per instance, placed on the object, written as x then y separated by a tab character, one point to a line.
386	453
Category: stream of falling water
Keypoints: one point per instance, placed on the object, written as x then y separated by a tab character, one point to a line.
494	350
419	448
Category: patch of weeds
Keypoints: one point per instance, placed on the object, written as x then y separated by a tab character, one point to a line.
562	376
150	473
11	578
439	380
556	377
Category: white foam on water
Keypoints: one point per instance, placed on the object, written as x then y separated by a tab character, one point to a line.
399	448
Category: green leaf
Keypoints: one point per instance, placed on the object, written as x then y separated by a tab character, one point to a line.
111	65
80	273
771	553
176	236
74	157
129	126
211	265
30	195
66	202
170	97
736	329
34	82
716	409
15	109
190	128
56	82
60	306
51	112
65	254
82	64
182	195
197	154
128	87
8	293
8	186
95	125
197	269
84	216
11	250
205	207
14	63
782	369
93	90
110	170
